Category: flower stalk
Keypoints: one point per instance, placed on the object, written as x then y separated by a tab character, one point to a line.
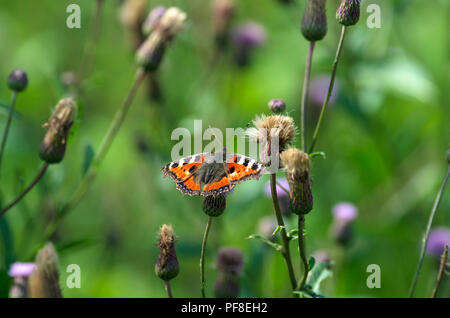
202	257
330	89
427	234
442	266
8	124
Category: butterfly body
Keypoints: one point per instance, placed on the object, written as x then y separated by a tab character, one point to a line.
211	173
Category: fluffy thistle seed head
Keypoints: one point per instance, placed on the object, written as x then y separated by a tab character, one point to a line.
314	23
17	81
167	266
44	281
348	12
151	52
298	166
277	105
53	146
214	206
268	129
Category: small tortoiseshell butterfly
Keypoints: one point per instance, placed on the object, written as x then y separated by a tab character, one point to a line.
203	174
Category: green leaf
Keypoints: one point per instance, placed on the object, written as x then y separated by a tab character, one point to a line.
277	230
88	157
265	240
311	263
317	275
320	153
292	234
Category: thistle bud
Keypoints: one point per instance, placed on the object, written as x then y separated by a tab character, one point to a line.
167	266
151	52
298	167
20	272
214	205
229	264
153	19
344	215
439	237
44	281
53	146
347	13
314	23
223	12
17	81
277	105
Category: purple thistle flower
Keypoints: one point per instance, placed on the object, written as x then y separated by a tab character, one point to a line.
439	237
21	269
319	89
277	105
250	35
344	212
280	192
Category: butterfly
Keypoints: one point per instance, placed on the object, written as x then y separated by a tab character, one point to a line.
212	173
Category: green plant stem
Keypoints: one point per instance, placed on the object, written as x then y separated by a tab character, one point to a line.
168	289
330	90
8	124
98	159
202	257
427	233
24	193
305	93
284	239
441	271
302	251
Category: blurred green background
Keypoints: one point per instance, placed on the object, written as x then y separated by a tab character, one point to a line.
385	140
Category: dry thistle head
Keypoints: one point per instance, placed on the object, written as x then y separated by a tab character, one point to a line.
223	12
298	167
53	146
273	133
348	12
151	52
314	23
44	281
167	266
214	205
17	81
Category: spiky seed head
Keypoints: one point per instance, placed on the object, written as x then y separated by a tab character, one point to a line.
214	206
314	22
348	12
44	281
167	266
53	146
269	129
277	105
298	167
17	80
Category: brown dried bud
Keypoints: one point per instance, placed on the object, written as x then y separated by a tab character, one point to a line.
44	281
167	266
53	146
298	166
